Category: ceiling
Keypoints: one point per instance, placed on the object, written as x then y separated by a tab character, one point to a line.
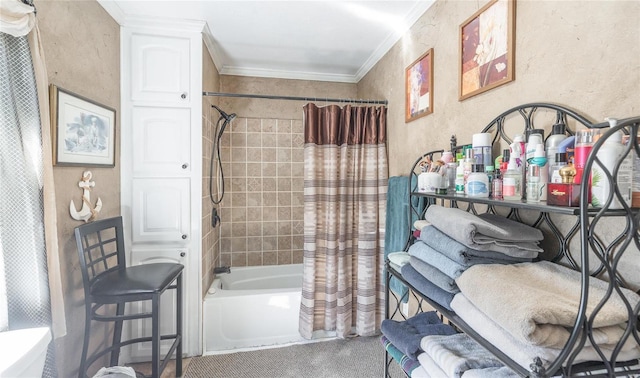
332	40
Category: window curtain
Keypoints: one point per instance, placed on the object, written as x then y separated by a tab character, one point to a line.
345	188
30	273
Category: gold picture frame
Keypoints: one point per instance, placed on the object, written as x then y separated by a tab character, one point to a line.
487	49
419	87
83	131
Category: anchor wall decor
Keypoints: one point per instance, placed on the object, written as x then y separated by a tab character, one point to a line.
86	213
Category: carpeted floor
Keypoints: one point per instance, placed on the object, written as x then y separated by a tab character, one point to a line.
357	357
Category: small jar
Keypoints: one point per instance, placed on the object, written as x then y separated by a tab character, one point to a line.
477	182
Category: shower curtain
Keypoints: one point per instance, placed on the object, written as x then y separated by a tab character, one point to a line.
345	187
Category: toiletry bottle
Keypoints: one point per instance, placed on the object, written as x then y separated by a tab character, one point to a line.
554	171
481	144
512	182
517	151
533	183
460	179
541	176
496	187
505	160
477	183
552	143
468	162
584	144
608	154
490	171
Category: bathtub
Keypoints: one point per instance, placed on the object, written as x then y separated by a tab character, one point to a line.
253	307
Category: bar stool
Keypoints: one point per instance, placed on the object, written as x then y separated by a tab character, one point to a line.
107	280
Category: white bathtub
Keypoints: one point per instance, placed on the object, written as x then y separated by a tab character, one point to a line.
253	307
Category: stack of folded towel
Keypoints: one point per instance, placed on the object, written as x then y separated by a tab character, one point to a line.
454	240
426	347
402	338
533	312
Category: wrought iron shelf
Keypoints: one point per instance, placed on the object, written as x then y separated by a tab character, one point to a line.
540	206
596	257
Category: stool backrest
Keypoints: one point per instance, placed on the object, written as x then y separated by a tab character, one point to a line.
100	249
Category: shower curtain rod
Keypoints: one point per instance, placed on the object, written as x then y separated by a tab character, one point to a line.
272	97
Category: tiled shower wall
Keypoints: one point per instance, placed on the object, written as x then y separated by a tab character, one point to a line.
262	209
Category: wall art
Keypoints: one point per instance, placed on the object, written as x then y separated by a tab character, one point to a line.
83	131
419	87
487	48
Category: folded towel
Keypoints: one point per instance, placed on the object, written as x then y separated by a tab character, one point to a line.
406	363
458	353
420	224
424	252
406	335
398	258
438	278
486	232
492	372
430	366
466	256
426	287
538	301
420	372
524	353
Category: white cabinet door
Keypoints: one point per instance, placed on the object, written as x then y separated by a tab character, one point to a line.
160	210
160	70
142	327
163	141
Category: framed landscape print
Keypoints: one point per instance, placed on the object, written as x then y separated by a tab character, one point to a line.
487	48
83	131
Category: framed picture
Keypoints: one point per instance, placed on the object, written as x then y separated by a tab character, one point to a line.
419	87
83	131
487	48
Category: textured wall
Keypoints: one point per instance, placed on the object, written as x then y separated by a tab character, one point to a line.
581	54
82	51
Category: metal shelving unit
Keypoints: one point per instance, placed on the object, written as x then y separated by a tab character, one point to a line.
595	258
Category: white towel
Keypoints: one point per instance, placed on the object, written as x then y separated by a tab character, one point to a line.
420	372
455	354
537	302
430	366
523	353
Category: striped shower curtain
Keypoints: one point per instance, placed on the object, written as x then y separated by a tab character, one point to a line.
345	188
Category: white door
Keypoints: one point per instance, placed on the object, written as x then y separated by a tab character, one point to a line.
163	141
160	68
142	327
161	210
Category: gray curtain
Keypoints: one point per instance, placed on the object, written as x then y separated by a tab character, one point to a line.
22	239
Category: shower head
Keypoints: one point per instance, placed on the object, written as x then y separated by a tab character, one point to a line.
227	117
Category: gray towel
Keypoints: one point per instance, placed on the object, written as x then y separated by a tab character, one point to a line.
436	277
424	252
524	353
458	353
538	301
426	287
466	256
486	232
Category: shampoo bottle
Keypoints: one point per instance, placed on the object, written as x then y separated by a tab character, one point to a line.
608	154
552	143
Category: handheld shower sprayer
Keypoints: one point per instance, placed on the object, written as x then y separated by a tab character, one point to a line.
219	173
